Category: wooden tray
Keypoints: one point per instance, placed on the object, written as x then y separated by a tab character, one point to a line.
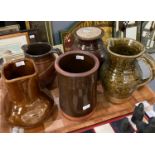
103	112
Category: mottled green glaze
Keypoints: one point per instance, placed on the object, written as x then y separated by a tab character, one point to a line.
121	74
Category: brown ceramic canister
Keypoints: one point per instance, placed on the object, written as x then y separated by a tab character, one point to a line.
25	104
77	80
121	75
43	55
90	39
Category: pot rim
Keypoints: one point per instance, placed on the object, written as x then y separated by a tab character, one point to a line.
92	38
82	74
41	55
19	78
126	56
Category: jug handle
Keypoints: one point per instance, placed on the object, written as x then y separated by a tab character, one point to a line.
57	51
150	62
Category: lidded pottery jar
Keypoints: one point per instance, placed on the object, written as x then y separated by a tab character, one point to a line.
90	39
25	104
77	81
122	75
43	56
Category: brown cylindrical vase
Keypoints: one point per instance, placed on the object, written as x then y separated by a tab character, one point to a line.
25	104
77	81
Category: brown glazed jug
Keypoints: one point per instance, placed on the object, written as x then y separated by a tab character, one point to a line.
25	104
122	75
77	80
43	56
90	39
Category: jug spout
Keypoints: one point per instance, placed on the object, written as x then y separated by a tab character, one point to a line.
125	48
122	53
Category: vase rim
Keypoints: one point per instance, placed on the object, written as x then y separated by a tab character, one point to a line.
81	74
130	41
22	77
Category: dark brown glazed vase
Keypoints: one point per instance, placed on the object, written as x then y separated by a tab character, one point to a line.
25	104
77	78
90	39
122	75
43	56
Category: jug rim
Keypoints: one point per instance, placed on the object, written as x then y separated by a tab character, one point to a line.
82	74
23	77
126	56
39	55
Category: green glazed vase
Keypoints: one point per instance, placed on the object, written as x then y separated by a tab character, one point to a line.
121	75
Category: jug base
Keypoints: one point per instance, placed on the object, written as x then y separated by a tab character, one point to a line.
118	101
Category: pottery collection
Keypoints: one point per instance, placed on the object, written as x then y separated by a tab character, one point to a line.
77	71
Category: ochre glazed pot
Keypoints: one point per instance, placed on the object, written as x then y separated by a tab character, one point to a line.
121	75
43	56
77	78
25	104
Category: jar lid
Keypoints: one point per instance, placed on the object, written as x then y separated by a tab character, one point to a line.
89	33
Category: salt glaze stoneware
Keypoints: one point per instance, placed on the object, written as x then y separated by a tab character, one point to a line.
121	74
43	55
77	80
25	104
90	39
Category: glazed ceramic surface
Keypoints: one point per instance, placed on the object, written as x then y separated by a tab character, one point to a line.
77	78
26	105
121	74
90	39
43	56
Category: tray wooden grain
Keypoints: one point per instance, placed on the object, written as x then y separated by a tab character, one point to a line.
103	112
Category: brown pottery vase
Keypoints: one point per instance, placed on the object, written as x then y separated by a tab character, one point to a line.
122	75
25	104
77	79
90	39
43	56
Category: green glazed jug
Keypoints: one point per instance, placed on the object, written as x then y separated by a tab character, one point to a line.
121	75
